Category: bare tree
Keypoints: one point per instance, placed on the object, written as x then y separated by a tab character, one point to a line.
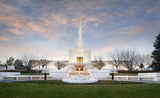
99	63
142	58
9	61
148	59
141	61
0	64
60	65
43	63
141	66
145	59
116	57
131	59
29	61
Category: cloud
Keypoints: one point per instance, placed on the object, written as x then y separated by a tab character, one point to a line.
130	31
150	10
106	49
11	19
35	27
53	19
14	31
6	8
3	38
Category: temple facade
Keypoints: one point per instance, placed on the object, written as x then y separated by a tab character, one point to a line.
79	57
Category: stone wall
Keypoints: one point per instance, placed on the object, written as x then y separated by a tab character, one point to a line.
58	74
100	74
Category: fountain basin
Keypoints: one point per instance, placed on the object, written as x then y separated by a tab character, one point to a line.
80	79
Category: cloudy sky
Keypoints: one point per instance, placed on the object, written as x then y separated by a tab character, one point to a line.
49	28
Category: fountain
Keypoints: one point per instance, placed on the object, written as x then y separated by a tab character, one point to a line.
80	79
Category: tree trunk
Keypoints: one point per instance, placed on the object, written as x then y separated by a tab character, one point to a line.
6	67
116	67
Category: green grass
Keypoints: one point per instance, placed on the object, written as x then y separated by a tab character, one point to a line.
59	82
126	74
51	89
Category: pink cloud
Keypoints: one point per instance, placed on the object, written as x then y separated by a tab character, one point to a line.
6	8
35	27
9	20
16	32
85	20
14	23
50	18
131	30
48	31
4	38
17	25
106	49
134	31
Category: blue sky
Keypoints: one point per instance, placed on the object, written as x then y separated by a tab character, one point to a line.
49	28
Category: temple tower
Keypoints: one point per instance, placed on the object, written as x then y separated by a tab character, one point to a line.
79	56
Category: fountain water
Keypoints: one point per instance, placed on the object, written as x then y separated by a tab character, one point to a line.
80	79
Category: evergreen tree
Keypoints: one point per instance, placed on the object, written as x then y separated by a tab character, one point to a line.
157	42
156	54
19	64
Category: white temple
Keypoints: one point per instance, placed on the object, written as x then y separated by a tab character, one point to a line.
80	57
80	66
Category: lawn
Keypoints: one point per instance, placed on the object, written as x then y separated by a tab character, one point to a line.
54	89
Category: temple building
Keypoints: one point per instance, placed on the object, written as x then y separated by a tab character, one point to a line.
79	64
80	58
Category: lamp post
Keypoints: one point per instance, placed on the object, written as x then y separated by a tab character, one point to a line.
79	71
45	75
112	76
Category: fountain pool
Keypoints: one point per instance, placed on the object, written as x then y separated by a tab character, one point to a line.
80	79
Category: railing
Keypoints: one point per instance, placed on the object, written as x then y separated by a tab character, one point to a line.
132	77
26	77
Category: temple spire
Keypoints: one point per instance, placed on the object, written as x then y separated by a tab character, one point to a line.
80	35
80	31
